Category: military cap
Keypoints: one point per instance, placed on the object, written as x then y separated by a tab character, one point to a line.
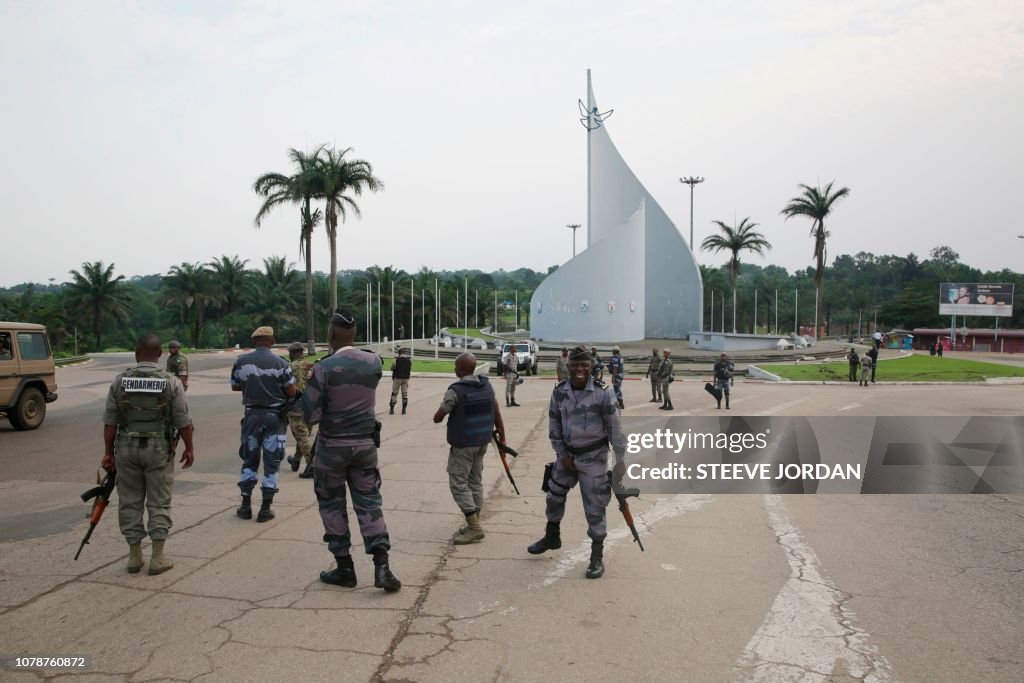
174	344
342	318
580	353
263	331
615	349
666	350
296	346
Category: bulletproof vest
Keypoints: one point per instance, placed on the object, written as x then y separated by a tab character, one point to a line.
403	368
472	421
144	403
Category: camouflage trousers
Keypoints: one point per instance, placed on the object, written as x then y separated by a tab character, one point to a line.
263	437
655	388
511	379
397	384
617	386
145	473
723	385
356	467
591	471
300	430
665	384
466	477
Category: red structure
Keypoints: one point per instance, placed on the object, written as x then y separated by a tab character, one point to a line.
985	339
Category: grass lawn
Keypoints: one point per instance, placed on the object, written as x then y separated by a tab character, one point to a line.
418	365
470	331
913	369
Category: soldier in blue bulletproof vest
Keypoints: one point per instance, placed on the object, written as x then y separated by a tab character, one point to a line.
582	421
144	405
473	415
723	378
618	369
266	382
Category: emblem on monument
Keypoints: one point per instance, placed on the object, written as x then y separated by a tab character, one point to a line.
611	306
584	305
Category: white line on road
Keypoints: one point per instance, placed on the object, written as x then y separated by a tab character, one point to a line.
808	634
664	508
849	407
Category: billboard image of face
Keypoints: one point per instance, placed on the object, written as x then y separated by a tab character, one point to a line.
956	298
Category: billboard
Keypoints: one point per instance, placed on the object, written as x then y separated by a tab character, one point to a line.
971	298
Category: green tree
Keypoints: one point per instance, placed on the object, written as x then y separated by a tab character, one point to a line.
299	188
734	239
274	294
105	297
336	180
192	287
816	204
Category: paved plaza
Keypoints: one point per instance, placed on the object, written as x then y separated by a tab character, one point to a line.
730	588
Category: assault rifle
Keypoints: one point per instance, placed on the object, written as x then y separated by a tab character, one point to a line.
502	451
102	495
621	495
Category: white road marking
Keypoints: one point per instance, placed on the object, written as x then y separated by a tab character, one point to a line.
670	567
849	407
782	406
664	508
809	633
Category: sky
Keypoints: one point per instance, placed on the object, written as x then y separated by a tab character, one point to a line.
132	131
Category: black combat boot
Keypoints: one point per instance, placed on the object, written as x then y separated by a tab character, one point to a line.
342	575
382	576
719	404
245	509
727	403
294	461
669	406
552	540
405	403
392	410
622	406
596	568
308	472
265	513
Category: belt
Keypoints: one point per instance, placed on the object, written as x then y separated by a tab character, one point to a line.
249	408
589	448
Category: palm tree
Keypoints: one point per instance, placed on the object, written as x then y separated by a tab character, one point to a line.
300	189
273	294
96	290
188	285
735	239
816	205
229	275
336	176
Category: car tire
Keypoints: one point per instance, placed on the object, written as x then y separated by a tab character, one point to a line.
30	410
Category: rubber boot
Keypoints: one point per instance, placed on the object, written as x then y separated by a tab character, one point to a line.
135	558
405	403
308	472
294	461
382	576
342	575
472	532
158	563
727	403
719	404
265	513
552	540
245	509
595	570
391	410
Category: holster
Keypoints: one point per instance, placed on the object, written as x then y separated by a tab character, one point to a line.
548	469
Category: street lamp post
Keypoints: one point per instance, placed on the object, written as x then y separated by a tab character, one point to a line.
574	227
691	181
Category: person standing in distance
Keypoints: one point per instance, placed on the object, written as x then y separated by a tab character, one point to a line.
665	378
300	430
473	415
562	365
618	369
873	354
266	382
401	371
652	373
341	396
722	373
582	422
177	363
511	376
144	406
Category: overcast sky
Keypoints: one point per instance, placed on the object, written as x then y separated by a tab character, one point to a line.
132	131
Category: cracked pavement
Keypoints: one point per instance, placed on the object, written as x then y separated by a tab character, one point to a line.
730	588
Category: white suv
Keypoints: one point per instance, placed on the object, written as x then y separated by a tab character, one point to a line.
526	351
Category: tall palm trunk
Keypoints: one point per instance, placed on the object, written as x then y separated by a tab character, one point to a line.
97	326
819	274
332	238
307	238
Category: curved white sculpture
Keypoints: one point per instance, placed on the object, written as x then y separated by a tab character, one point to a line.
637	278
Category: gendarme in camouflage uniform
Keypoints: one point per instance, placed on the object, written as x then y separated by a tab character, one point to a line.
665	378
652	372
177	363
300	430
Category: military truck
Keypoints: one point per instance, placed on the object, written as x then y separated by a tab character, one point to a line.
27	378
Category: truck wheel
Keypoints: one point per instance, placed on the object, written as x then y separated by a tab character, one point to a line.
30	411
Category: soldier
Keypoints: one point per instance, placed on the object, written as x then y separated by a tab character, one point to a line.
867	364
597	371
582	421
341	397
562	365
723	378
266	382
177	363
401	370
873	355
617	368
144	406
511	377
473	414
652	372
854	360
300	430
665	377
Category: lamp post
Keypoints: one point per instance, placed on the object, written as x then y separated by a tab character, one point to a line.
574	227
691	181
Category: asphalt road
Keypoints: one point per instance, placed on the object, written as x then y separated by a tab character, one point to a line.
731	587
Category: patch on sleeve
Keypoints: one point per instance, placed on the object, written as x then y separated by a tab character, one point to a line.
144	385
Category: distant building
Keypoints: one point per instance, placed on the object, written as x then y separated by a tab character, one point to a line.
984	339
637	278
